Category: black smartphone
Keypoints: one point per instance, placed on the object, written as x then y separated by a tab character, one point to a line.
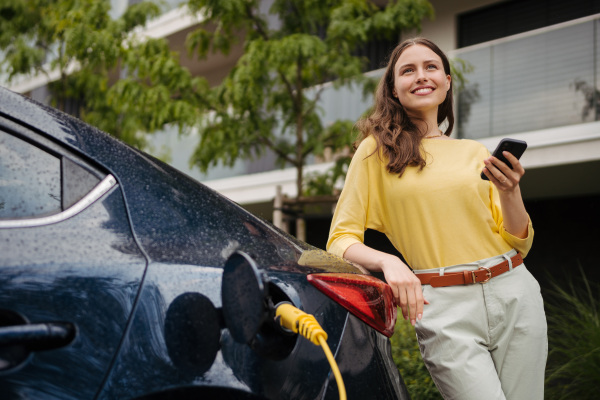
513	146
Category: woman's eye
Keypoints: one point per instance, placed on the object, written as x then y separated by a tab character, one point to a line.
407	70
432	66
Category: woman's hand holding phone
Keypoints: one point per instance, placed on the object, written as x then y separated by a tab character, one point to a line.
506	180
503	168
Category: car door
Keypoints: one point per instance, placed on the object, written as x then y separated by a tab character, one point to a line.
70	268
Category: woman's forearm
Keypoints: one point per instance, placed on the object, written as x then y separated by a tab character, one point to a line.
516	219
371	259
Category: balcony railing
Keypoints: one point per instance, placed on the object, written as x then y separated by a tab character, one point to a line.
541	79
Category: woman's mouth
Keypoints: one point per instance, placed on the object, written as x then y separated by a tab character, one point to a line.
423	90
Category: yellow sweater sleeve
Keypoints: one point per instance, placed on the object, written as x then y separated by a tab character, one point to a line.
358	207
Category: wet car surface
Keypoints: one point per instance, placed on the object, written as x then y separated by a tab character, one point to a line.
111	281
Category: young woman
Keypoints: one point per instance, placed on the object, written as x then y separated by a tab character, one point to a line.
477	311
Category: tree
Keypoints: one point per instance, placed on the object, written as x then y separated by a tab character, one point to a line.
271	97
127	84
98	67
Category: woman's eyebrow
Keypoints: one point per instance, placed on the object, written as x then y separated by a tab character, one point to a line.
424	62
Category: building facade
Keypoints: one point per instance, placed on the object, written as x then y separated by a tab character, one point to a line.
535	77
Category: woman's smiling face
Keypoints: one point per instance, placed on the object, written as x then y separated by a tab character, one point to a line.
420	82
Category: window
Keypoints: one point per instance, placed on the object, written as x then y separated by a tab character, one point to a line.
35	182
377	52
517	16
29	180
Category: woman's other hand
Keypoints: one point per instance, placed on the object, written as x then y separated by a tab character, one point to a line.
406	287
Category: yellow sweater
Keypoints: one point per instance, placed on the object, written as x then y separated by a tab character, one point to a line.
443	215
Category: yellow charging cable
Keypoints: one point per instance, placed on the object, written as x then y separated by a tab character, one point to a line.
306	325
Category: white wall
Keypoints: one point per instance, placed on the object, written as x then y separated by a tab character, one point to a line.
442	30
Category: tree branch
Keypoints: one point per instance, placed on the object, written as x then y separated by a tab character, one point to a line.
314	102
257	22
259	28
267	142
307	151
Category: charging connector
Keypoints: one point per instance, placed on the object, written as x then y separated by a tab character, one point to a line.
297	321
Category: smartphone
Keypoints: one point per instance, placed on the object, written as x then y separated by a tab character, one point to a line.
513	146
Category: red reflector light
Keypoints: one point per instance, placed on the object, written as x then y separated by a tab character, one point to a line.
365	296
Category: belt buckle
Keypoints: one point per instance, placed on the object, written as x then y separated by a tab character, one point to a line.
488	274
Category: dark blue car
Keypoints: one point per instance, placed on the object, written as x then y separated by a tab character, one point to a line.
122	278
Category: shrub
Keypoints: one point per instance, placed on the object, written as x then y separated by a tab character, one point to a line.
573	370
407	357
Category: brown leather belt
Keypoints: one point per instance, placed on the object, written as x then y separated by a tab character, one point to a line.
481	275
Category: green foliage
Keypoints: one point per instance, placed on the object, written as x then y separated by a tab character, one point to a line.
591	96
120	82
337	136
127	84
406	354
270	99
326	184
459	69
573	369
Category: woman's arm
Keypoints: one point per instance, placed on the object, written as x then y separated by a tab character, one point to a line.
515	216
406	287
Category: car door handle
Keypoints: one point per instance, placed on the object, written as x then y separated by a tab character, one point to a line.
40	336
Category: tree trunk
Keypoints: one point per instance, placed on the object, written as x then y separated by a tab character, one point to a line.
300	223
278	209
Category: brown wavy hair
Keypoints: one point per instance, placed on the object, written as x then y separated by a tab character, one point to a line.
398	137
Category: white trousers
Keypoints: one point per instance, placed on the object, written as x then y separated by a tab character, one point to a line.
486	341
